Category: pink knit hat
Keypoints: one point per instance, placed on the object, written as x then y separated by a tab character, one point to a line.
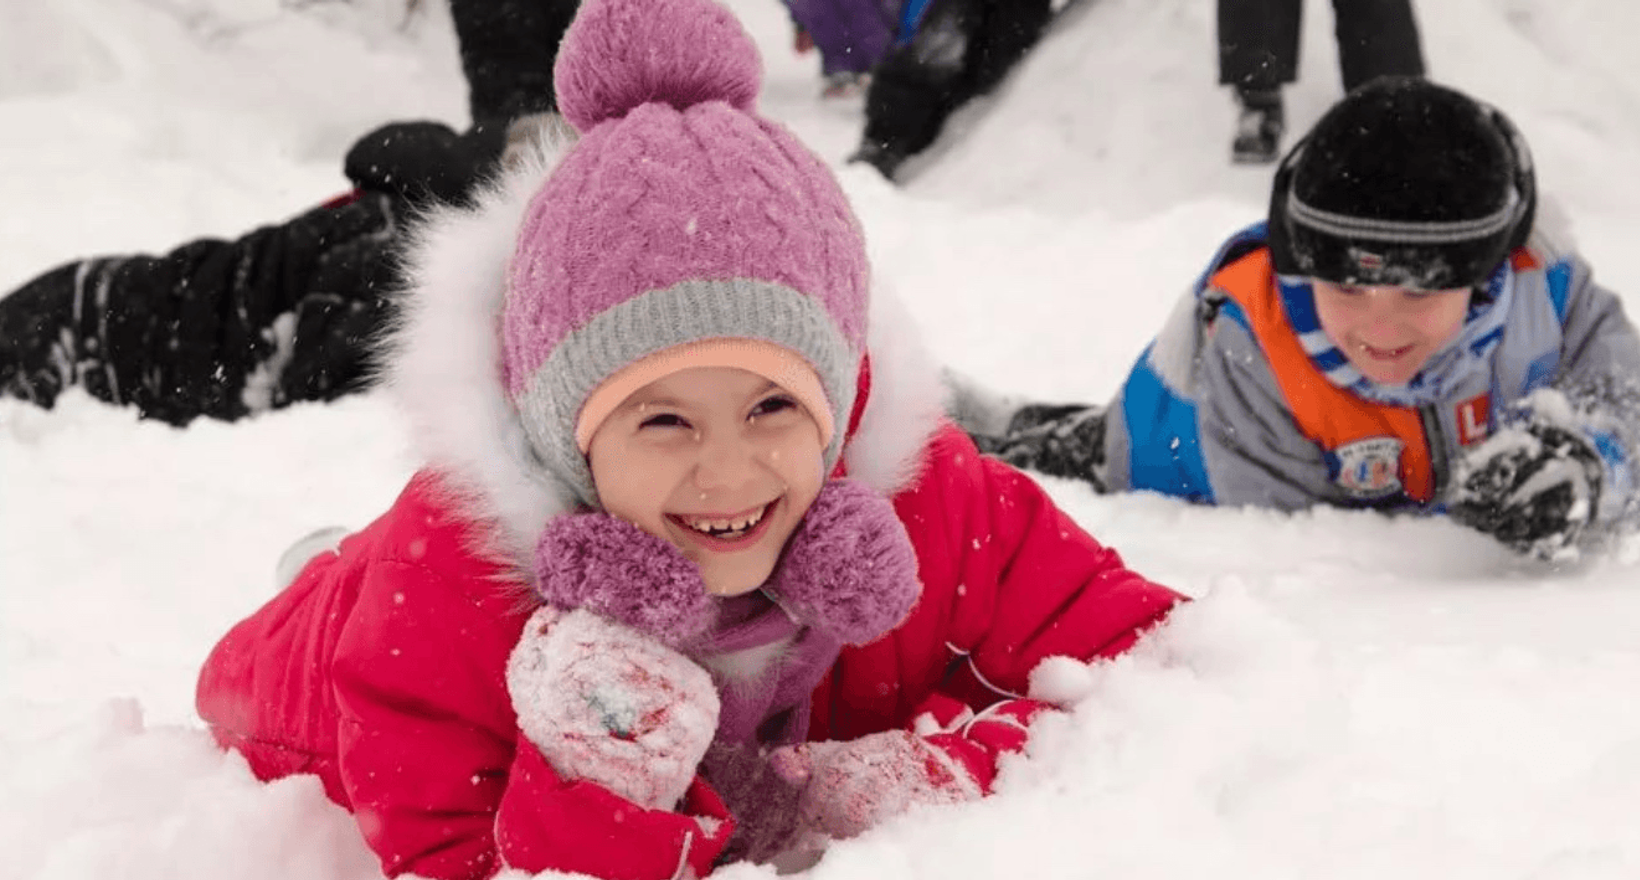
683	229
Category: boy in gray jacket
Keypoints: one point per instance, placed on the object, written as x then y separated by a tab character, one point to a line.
1397	336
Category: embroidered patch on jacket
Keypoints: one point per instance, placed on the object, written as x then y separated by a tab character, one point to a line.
1474	418
1369	468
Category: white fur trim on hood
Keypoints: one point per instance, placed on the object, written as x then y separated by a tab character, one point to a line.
442	364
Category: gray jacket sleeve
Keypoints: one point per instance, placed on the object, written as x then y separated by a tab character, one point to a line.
1600	342
1599	373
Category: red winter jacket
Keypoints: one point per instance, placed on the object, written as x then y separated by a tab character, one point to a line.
381	670
381	667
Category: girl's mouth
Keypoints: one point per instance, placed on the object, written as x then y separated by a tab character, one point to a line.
729	532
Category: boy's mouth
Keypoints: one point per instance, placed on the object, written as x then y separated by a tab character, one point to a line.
1384	354
729	529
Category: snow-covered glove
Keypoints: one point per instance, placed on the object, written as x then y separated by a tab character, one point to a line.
950	757
849	570
620	572
1534	486
607	704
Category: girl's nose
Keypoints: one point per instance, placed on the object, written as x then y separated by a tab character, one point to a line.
725	462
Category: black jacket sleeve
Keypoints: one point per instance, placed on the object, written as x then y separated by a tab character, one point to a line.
218	328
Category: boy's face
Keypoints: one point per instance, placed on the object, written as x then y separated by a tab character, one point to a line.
1389	333
720	462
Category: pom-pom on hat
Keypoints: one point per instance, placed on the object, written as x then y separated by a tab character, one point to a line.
1406	183
681	230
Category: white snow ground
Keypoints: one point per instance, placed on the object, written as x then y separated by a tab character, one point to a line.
1352	697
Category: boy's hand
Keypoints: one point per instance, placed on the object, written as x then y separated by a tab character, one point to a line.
621	572
1534	487
609	705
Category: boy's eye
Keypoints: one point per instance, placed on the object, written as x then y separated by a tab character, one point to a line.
771	405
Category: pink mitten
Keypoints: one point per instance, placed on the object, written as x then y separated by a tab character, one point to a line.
622	573
849	570
850	787
612	706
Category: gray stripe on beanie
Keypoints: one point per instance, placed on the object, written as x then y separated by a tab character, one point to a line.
1403	231
689	311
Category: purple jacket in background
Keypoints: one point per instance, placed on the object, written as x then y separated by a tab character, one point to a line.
852	35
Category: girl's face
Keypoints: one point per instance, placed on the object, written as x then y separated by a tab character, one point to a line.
719	461
1389	333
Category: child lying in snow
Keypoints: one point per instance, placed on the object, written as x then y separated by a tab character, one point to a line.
1396	337
695	571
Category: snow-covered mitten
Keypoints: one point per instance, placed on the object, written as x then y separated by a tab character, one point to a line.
849	570
613	568
949	757
1534	486
607	704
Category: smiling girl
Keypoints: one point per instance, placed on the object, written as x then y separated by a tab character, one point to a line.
695	570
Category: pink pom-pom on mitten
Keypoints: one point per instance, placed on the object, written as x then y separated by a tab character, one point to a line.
621	572
849	569
612	706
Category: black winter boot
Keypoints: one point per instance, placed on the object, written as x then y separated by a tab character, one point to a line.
1259	127
879	156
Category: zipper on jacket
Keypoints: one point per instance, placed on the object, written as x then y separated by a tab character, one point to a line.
1440	457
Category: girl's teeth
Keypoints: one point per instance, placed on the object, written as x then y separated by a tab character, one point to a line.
720	526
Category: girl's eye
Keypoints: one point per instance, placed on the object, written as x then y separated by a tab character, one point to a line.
771	405
664	420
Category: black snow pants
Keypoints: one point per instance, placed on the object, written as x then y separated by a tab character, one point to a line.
1258	41
218	328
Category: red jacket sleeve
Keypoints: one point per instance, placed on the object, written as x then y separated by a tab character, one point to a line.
582	828
427	735
441	781
1009	579
975	741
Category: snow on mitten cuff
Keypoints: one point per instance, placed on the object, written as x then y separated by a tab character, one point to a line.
621	572
607	704
850	569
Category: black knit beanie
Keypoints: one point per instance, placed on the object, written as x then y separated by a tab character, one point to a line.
1403	183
